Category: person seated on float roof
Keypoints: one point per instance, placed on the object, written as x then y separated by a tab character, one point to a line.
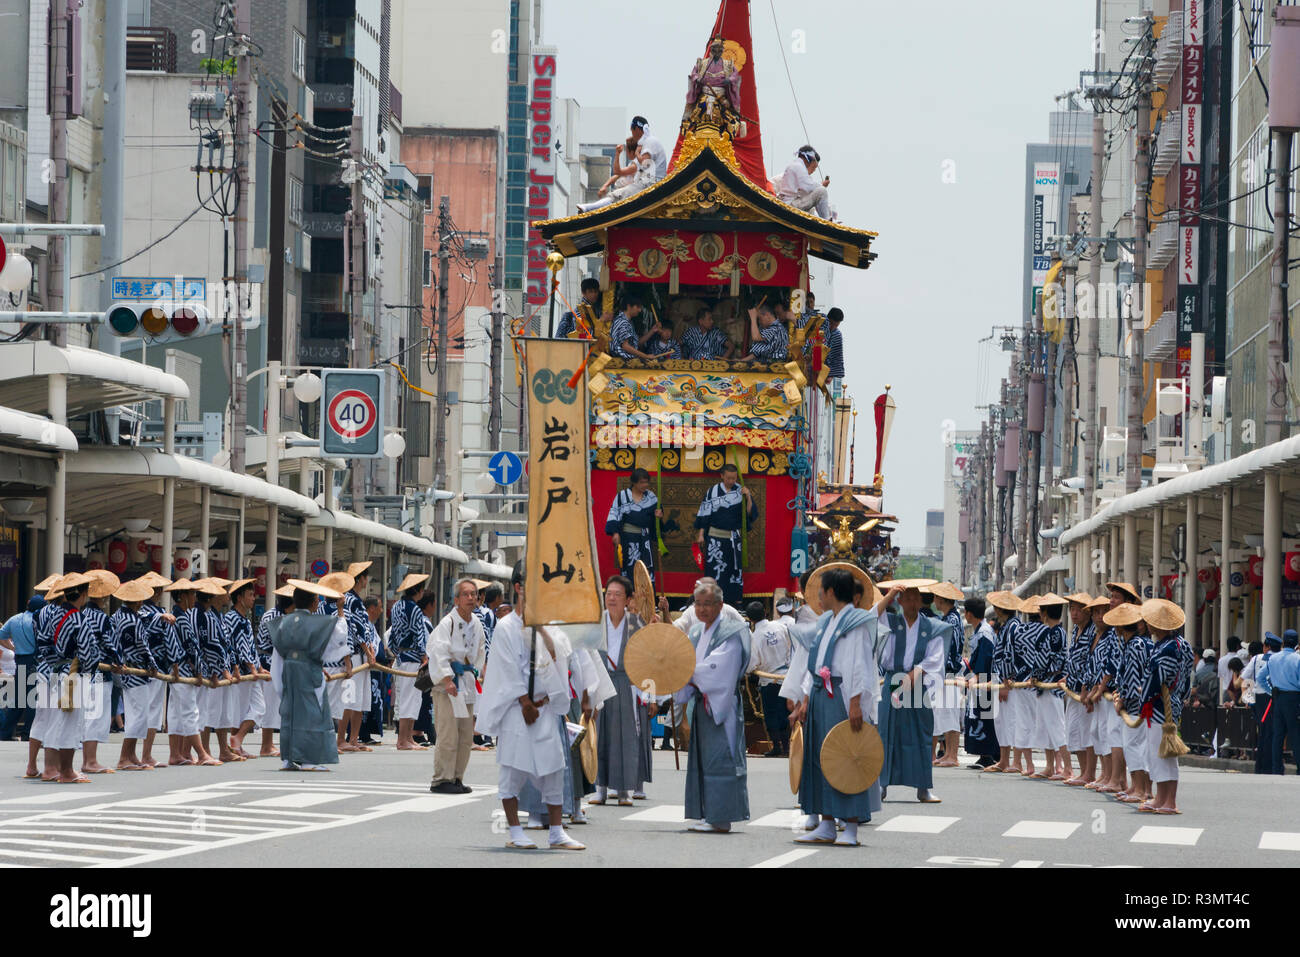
800	190
647	142
704	340
663	345
769	341
622	175
624	340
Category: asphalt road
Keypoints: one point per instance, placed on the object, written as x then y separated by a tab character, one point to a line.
375	809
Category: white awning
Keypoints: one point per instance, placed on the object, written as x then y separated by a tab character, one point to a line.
1284	454
349	524
488	570
35	432
1057	563
147	463
96	380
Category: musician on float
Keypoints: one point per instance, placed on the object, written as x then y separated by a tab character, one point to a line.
587	310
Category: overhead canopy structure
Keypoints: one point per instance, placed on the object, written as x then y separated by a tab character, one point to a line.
487	570
1057	563
348	524
35	432
95	380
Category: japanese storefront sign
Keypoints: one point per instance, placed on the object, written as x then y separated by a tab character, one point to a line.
561	584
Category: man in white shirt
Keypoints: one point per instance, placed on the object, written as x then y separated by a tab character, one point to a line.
455	662
1235	650
800	190
770	643
649	143
525	698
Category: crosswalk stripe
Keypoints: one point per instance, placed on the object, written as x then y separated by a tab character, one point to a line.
208	825
300	799
147	838
58	797
46	856
1279	841
790	819
661	814
181	797
789	857
1158	834
98	848
918	824
1044	830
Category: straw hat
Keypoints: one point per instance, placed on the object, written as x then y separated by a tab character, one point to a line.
1163	614
1051	598
588	749
340	582
851	760
1003	600
182	584
318	588
1125	587
921	584
70	580
103	582
357	568
209	586
1122	615
284	591
1030	605
796	758
659	658
154	580
409	582
46	583
219	582
236	585
871	595
946	590
1101	601
1080	598
134	591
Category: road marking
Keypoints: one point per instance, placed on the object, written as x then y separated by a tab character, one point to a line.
1279	841
301	799
424	805
918	824
1158	834
661	814
1045	830
1027	864
58	797
948	860
791	820
789	857
180	797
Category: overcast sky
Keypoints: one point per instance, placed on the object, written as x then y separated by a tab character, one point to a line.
893	93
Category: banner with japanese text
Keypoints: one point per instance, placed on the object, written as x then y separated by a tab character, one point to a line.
561	584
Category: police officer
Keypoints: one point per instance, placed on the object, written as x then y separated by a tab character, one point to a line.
1283	672
1257	671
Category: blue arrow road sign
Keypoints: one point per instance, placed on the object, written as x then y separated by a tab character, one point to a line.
506	468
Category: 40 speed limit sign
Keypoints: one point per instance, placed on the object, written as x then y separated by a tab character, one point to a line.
352	413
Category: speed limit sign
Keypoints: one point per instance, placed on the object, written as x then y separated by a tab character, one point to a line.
352	413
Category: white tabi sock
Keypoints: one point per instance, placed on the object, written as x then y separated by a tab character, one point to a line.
825	831
600	794
850	831
557	835
517	834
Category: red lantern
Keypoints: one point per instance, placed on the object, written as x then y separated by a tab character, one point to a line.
141	547
155	558
1291	566
219	569
94	560
1167	585
1256	574
182	564
117	556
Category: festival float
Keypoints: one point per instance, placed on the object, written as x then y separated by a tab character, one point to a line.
712	233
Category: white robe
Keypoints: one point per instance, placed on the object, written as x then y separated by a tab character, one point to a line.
536	749
852	659
716	675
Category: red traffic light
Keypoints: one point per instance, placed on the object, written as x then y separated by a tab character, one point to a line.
162	320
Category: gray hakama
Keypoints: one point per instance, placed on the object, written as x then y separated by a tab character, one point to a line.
716	778
907	731
302	643
816	796
622	755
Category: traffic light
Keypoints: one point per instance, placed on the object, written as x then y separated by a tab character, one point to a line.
159	320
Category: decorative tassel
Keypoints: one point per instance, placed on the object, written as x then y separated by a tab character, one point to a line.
735	281
674	280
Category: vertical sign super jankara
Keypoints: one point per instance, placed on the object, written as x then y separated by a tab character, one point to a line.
541	167
561	584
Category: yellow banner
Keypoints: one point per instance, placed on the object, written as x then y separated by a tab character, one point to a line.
561	585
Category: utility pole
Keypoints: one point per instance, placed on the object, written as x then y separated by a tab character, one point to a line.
61	13
1018	520
1091	426
356	220
112	171
1275	416
1138	314
498	346
243	94
440	436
